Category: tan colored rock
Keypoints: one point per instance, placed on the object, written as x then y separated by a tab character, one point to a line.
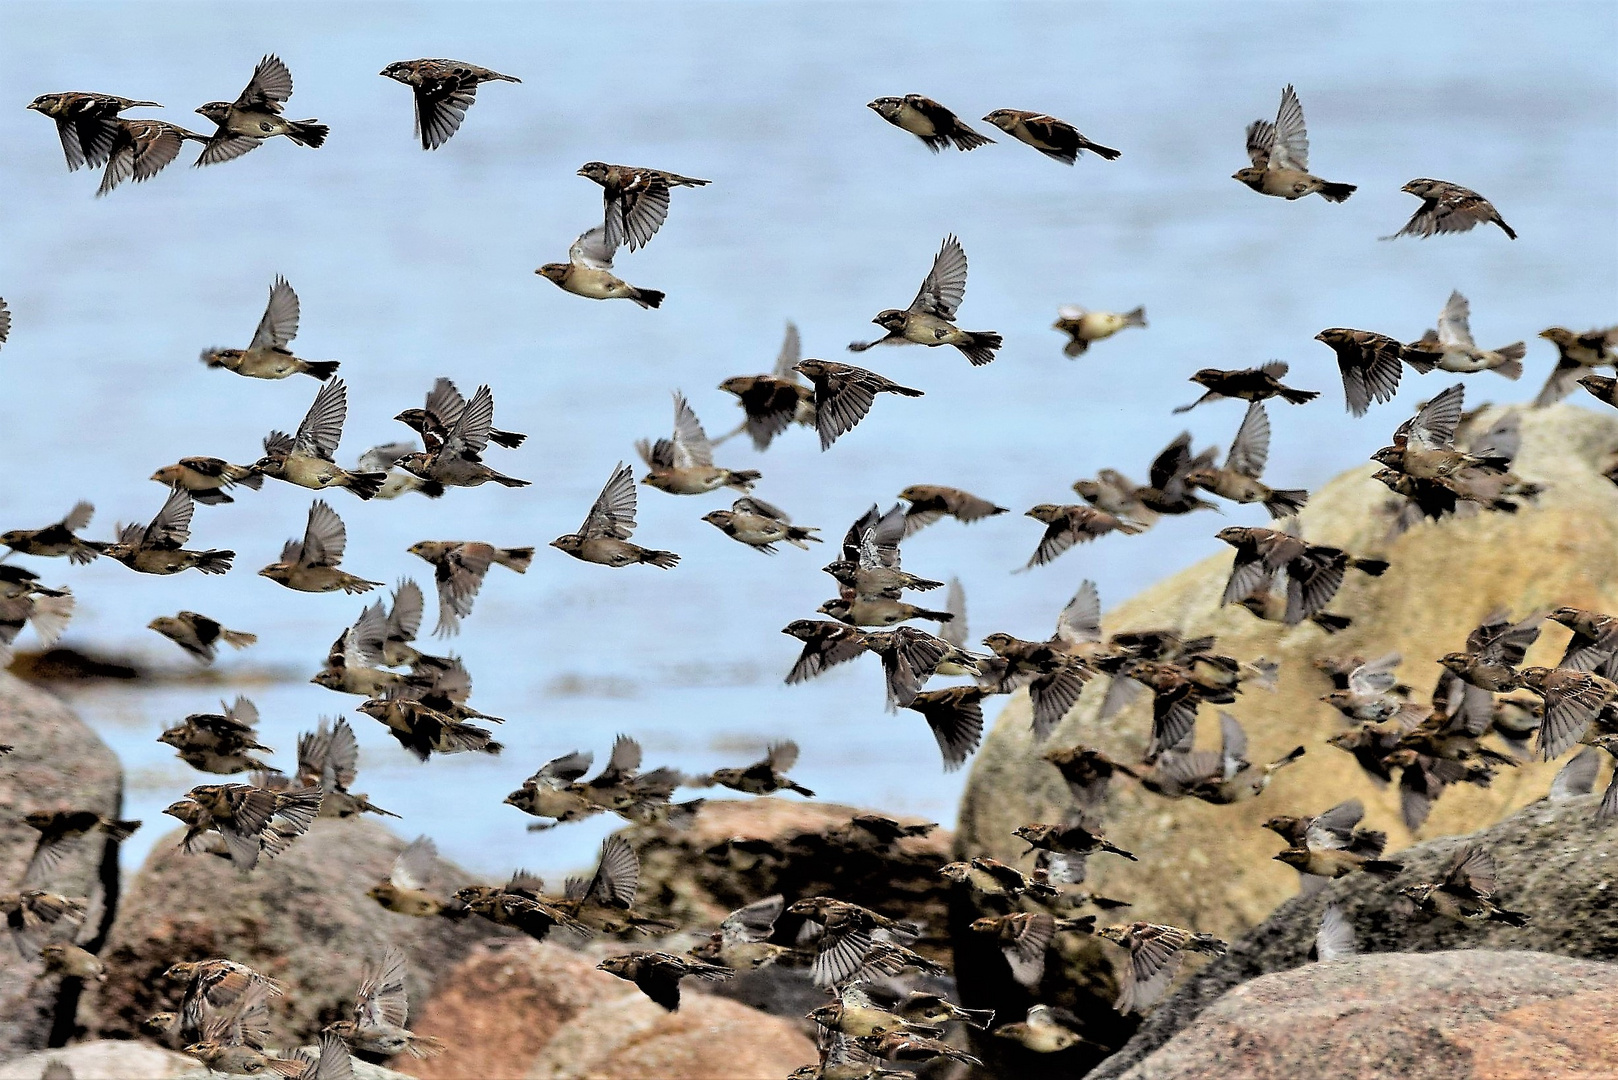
709	1038
302	917
1471	1015
103	1060
1211	867
499	1007
58	764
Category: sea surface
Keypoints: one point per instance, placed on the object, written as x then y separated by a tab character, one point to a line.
413	265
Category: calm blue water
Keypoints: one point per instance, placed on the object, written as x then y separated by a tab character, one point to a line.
413	265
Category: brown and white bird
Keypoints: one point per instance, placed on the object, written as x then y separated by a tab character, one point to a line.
1576	353
267	355
604	536
1456	350
637	200
930	318
844	394
455	458
381	1008
199	635
86	123
308	459
159	547
928	121
774	402
1280	157
459	567
1155	955
58	539
1083	326
1238	478
141	149
933	502
760	525
1448	208
208	478
443	91
311	564
588	272
255	116
1056	139
683	464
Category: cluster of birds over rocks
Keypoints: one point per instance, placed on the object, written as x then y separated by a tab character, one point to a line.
1442	462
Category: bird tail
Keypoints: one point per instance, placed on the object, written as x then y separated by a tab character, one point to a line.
1284	502
647	298
516	558
1107	153
238	639
212	498
966	139
431	488
981	350
508	439
978	1018
1498	220
800	789
365	484
215	562
1136	317
1510	918
903	391
1420	358
935	616
1298	397
1512	367
310	133
663	560
86	551
1372	567
507	481
798	535
249	478
1207	943
1336	192
1329	622
1383	868
742	479
121	830
423	1046
1130	528
320	369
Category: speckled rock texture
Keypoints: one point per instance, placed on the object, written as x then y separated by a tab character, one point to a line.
302	917
58	764
103	1060
1210	867
1557	865
1477	1014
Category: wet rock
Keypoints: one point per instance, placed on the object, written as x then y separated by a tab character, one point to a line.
1557	865
1210	867
302	918
57	763
1465	1015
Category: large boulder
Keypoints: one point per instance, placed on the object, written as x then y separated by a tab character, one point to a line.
117	1059
1470	1015
709	1038
302	917
1210	867
1557	865
57	763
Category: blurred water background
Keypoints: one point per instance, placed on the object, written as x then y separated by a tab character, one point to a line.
412	265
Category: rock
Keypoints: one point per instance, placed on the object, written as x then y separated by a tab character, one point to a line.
1210	867
499	1007
302	917
57	763
710	1038
1466	1015
1557	865
363	1070
107	1059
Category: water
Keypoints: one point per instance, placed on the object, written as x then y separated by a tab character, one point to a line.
412	265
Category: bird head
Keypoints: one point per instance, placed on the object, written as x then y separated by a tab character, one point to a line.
810	907
811	368
399	69
615	965
1234	534
554	271
1207	376
215	111
1598	384
1558	334
720	518
45	102
1252	176
570	543
1297	858
955	871
1422	187
165	624
594	170
891	319
1046	512
280	572
886	107
738	384
1118	935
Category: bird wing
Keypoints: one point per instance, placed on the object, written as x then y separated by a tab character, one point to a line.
270	85
382	1000
1434	424
1375	676
612	515
469	436
1335	827
842	400
781	756
617	876
441	105
1260	142
404	621
280	322
945	285
593	249
1080	621
691	446
1291	149
1335	938
636	208
954	632
1472	869
445	402
1454	322
1250	450
414	865
322	426
563	770
324	538
791	352
755	922
1233	745
171	528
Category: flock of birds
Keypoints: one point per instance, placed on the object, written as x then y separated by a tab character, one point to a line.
1442	462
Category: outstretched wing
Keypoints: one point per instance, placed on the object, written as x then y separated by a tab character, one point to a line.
945	285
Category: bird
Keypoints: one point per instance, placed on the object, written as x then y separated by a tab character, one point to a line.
208	479
683	464
267	355
1248	384
158	547
60	831
1088	773
86	123
765	777
255	116
825	645
1056	139
456	459
1370	364
1573	699
1156	952
636	200
847	937
71	962
928	121
221	742
425	731
933	502
855	1011
774	402
843	395
1072	524
443	90
199	635
588	272
991	877
604	536
216	986
1335	938
1576	353
140	149
760	525
251	820
1023	938
404	890
955	717
442	411
1467	892
459	567
1226	776
742	942
1048	1029
869	568
58	539
5	321
1448	208
1238	478
1458	353
1280	157
930	318
658	974
308	459
1329	847
356	662
32	914
312	564
385	459
381	1007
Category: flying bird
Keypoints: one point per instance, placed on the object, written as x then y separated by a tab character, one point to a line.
443	91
